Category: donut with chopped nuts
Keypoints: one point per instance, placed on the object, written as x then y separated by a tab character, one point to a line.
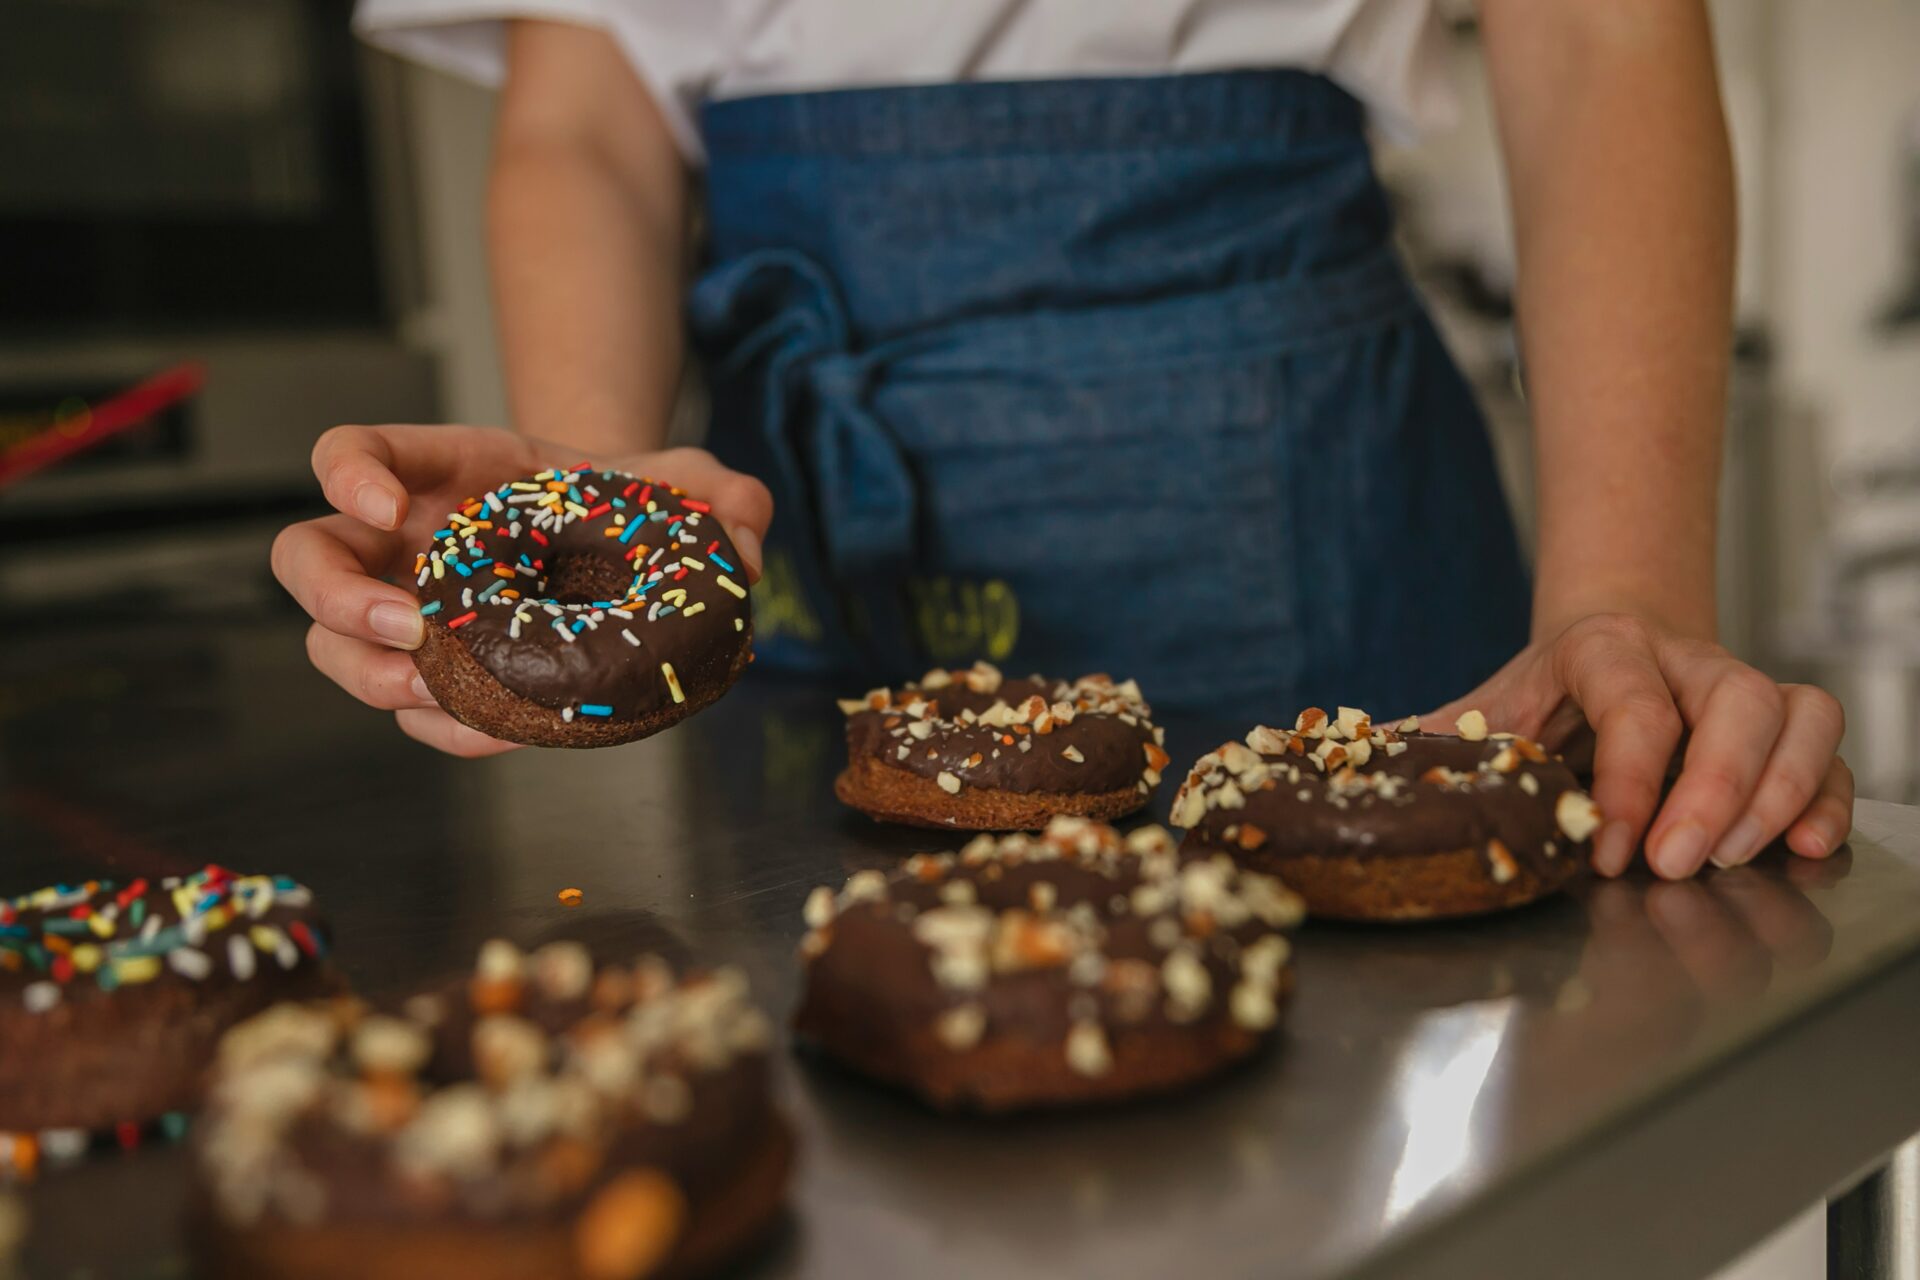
974	751
551	1115
581	608
1072	967
1372	823
113	996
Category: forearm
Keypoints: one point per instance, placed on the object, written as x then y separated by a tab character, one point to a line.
586	239
1622	192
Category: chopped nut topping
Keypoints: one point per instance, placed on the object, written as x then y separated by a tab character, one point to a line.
1267	741
948	783
1073	754
961	1027
390	1046
1472	726
1087	1051
1576	815
1189	988
1253	1007
865	886
1500	859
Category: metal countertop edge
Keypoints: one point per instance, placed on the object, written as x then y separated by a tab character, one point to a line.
1678	1183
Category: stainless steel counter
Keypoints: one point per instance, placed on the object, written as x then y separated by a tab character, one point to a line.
1638	1079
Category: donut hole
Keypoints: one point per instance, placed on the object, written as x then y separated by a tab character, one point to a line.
575	578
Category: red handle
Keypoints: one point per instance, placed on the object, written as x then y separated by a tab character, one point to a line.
130	408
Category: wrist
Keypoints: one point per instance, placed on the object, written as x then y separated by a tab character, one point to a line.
1686	612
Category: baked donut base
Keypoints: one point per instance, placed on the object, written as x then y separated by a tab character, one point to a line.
133	1056
468	692
887	794
1443	885
729	1223
1009	1072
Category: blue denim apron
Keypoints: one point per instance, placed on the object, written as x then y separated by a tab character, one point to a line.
1106	374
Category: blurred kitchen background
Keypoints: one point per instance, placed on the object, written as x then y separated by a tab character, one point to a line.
268	228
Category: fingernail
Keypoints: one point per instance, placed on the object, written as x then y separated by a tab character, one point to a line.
1814	839
1740	843
376	506
1681	852
398	624
420	689
1613	849
747	543
1809	843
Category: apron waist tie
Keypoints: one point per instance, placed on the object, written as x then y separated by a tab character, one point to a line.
779	307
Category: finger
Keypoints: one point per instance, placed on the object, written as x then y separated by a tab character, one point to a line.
1828	821
372	673
320	565
1613	676
355	466
1736	714
443	733
1722	958
744	505
1501	699
1793	775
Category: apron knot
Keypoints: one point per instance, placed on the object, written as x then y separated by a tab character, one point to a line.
778	312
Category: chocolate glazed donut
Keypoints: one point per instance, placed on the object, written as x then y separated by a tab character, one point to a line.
975	751
581	608
1391	824
1035	971
550	1117
112	997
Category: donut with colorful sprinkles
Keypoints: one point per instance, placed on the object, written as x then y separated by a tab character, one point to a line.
975	751
1026	971
113	996
549	1115
1372	822
581	608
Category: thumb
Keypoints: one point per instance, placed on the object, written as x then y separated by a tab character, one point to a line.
743	504
1519	698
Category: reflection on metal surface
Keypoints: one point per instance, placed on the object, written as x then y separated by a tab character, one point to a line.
1447	1064
1420	1068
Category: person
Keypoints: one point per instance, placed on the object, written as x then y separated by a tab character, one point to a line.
1071	336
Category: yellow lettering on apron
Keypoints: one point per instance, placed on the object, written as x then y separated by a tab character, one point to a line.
960	621
778	606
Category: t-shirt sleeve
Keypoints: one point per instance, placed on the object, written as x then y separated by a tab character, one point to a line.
466	38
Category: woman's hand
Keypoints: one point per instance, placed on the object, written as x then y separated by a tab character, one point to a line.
1760	756
392	487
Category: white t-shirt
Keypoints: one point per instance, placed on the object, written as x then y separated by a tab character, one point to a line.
1385	52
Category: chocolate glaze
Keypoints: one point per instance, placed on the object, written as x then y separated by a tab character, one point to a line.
874	949
572	568
1295	807
1119	746
112	997
42	933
